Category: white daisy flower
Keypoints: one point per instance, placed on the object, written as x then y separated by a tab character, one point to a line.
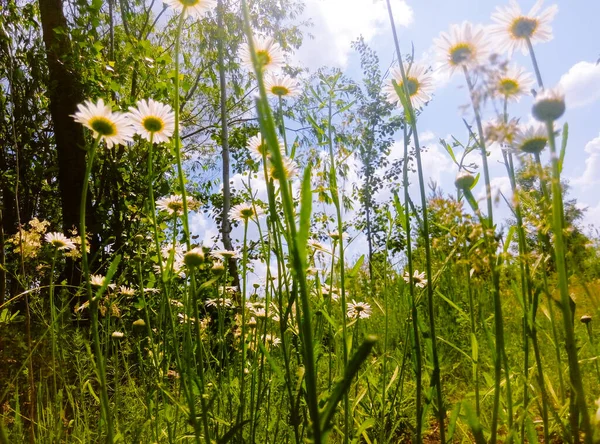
126	291
513	28
417	278
268	52
358	310
153	120
465	45
513	83
281	85
113	128
118	334
219	302
174	204
290	169
224	254
419	83
59	241
531	140
271	340
97	280
194	257
194	8
257	146
245	211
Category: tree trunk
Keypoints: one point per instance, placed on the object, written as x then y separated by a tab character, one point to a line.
225	226
64	92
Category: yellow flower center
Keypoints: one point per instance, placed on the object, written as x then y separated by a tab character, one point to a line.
263	149
188	3
103	126
175	206
358	308
508	87
279	90
461	53
153	124
412	85
247	213
523	27
264	58
534	145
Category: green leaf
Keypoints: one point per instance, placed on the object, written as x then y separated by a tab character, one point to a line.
342	387
563	146
354	272
305	212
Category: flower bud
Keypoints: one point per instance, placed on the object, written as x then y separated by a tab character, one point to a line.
194	258
464	180
549	105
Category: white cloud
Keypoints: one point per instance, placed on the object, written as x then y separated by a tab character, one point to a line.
580	84
338	22
591	175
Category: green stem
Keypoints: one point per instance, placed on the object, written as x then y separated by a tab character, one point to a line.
436	380
536	68
105	405
578	404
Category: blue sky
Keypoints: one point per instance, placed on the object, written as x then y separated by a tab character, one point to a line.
569	59
570	56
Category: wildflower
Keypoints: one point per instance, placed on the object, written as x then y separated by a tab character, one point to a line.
335	236
290	168
245	211
251	323
500	131
514	30
257	146
419	84
112	127
97	280
194	8
281	86
28	242
513	83
224	254
531	140
139	323
549	105
417	278
194	257
585	319
152	120
174	204
272	340
464	181
219	302
126	291
218	268
59	241
358	310
268	54
464	46
118	335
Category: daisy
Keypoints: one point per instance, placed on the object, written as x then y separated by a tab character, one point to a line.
245	211
152	120
126	291
174	204
419	85
500	131
111	127
358	310
513	29
281	86
195	8
290	169
418	278
464	46
513	83
219	302
59	241
268	53
464	181
118	335
549	105
258	147
335	236
97	280
271	340
224	254
531	140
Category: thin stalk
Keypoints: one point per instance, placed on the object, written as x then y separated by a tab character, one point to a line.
53	322
436	380
413	303
105	405
243	337
536	68
578	404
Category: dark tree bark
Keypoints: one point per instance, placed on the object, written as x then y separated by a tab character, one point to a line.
226	226
64	92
